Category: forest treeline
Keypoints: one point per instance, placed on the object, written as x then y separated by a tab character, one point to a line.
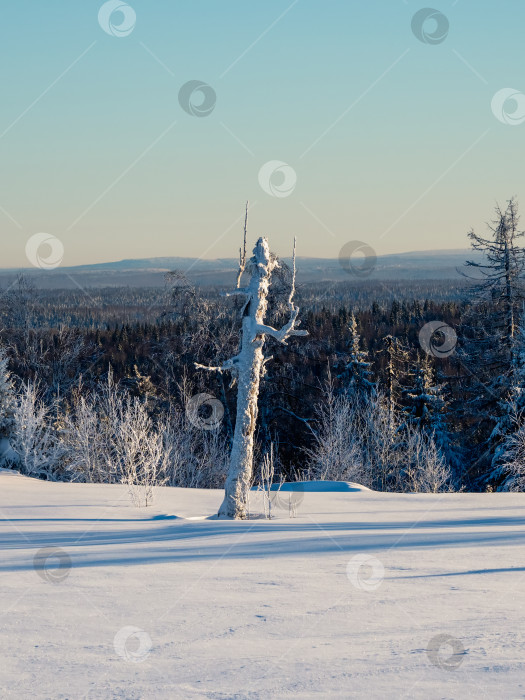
419	390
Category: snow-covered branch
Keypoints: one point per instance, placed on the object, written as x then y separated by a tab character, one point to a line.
288	329
242	251
230	364
241	291
285	332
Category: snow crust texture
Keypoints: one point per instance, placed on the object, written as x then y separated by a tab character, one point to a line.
361	595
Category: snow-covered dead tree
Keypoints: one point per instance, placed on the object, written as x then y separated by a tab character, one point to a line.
248	367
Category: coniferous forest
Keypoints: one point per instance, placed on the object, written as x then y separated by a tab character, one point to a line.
401	387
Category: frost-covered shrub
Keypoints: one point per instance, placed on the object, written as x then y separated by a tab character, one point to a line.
89	434
110	437
85	443
35	448
423	467
338	450
359	439
139	451
196	458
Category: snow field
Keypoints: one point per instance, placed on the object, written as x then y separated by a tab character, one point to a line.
361	595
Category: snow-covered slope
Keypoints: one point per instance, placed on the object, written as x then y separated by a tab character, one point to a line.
362	595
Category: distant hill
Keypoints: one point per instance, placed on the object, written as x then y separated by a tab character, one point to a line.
150	272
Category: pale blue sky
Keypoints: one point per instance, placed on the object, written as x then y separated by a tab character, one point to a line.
411	158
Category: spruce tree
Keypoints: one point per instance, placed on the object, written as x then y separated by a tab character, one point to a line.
512	407
396	358
489	329
423	400
357	375
426	408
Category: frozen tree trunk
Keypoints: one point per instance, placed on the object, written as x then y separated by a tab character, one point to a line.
248	366
249	369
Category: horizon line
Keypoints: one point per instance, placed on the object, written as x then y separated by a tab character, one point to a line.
233	258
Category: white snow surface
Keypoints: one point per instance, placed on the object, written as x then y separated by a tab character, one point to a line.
318	486
165	603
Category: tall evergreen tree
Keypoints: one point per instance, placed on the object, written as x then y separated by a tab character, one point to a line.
499	281
512	407
423	400
489	330
426	408
396	358
517	384
357	374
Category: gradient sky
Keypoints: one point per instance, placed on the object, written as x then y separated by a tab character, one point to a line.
393	140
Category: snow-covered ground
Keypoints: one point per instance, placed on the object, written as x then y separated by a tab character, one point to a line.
355	597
